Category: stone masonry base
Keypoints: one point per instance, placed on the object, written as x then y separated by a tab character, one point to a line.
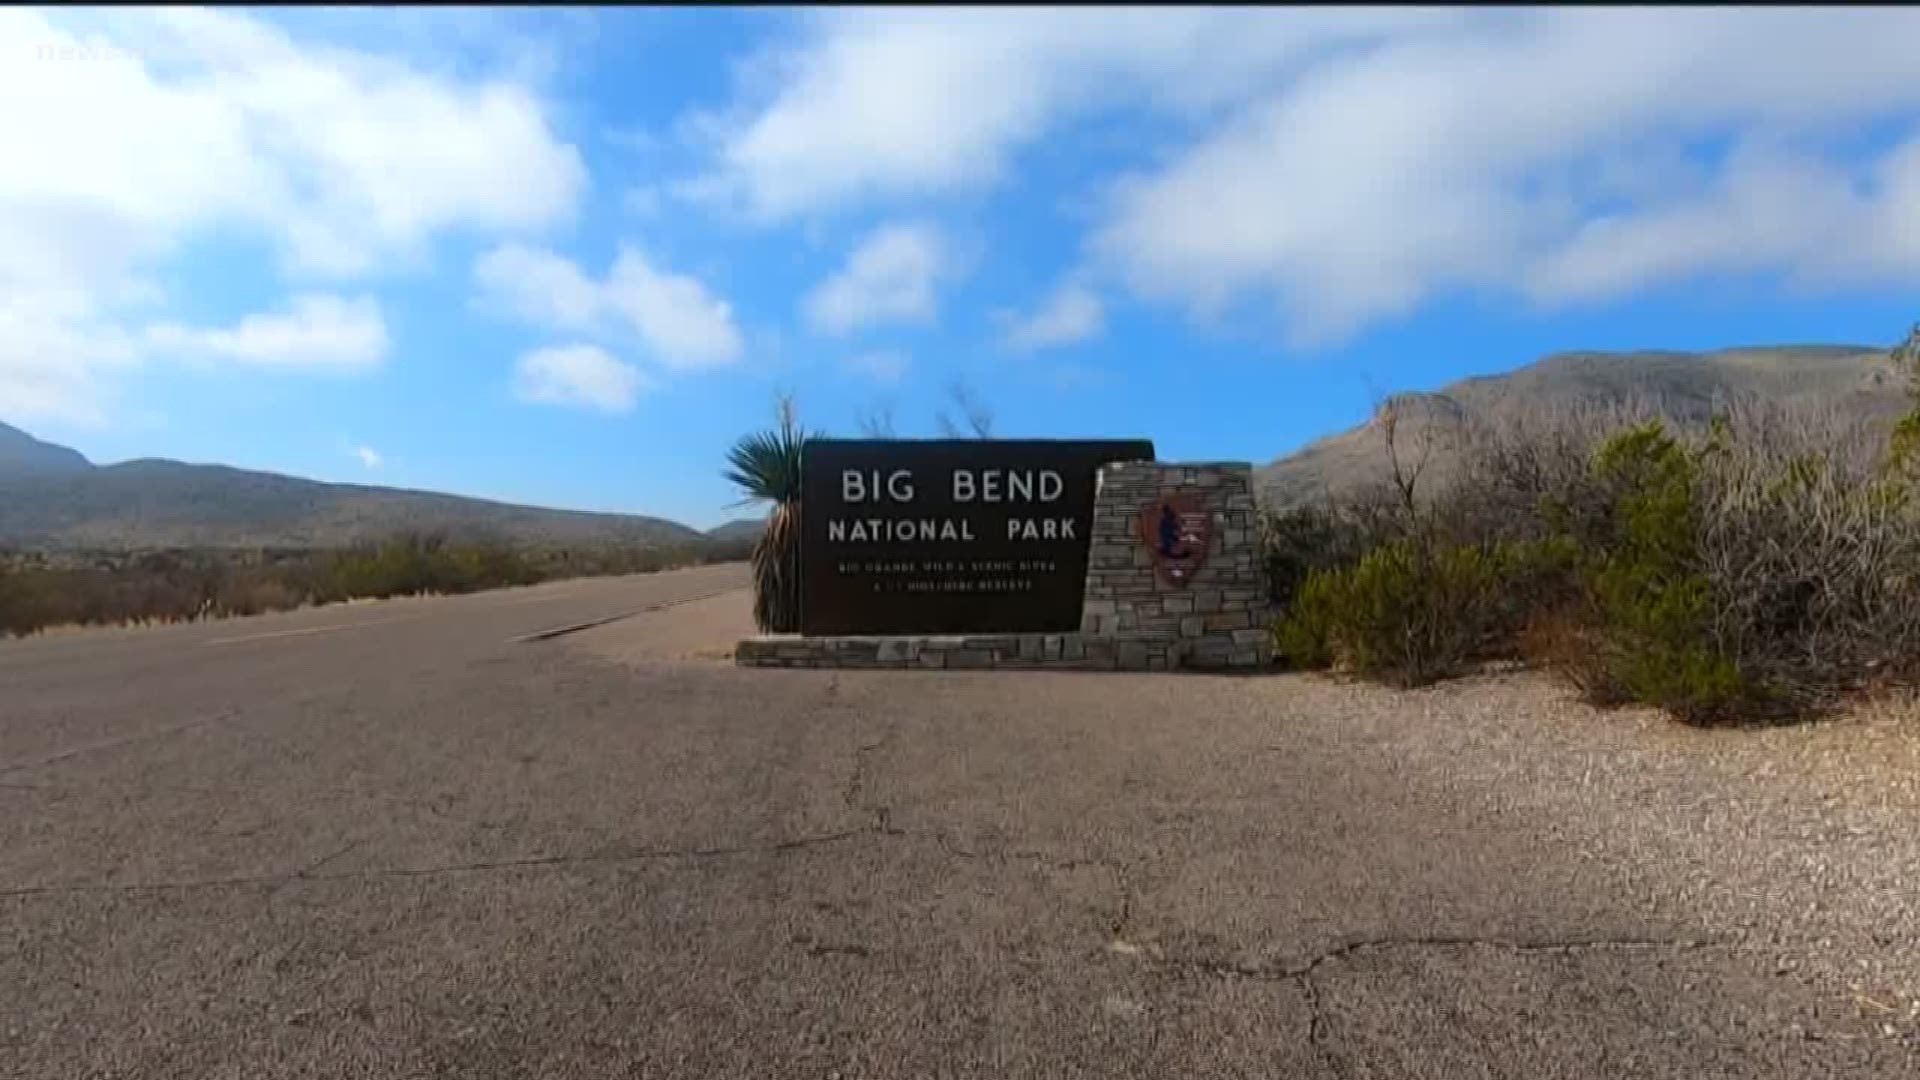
1065	652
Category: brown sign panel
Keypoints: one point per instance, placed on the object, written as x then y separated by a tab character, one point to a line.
952	536
1178	531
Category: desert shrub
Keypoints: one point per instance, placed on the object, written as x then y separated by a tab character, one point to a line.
1406	588
1648	606
1404	613
491	566
1525	472
255	593
45	589
1566	642
1756	562
1531	577
1759	564
765	466
1303	635
1412	615
1902	460
1298	541
1810	550
414	564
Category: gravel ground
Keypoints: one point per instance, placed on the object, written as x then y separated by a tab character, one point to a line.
1798	843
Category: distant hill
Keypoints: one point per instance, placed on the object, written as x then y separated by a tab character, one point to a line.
1685	386
52	497
21	455
743	529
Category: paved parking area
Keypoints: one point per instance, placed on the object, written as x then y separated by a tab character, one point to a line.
403	840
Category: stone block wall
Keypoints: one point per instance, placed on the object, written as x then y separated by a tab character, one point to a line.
1133	619
941	652
1216	619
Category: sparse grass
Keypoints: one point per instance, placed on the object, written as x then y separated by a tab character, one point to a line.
41	592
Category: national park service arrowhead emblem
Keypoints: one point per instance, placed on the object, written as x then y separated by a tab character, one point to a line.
1178	532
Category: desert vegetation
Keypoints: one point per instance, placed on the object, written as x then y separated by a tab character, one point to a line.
765	466
1762	565
41	590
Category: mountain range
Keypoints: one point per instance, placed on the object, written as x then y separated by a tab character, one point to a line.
1686	387
53	497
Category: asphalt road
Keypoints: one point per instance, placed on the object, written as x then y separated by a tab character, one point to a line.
415	839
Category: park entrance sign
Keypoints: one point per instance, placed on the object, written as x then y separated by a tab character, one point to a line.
960	536
1022	555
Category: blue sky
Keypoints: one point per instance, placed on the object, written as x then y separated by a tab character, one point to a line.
564	256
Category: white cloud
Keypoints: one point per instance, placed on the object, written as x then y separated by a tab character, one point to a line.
1072	314
915	102
539	286
57	362
681	322
316	331
887	366
186	118
525	44
1342	167
1768	209
583	376
1534	154
890	277
150	130
368	456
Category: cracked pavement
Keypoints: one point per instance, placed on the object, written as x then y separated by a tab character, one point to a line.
411	839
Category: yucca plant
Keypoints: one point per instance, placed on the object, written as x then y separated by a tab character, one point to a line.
766	467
